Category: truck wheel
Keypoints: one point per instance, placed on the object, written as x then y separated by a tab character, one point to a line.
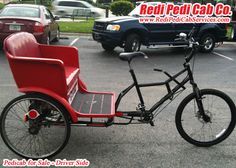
107	47
132	43
208	42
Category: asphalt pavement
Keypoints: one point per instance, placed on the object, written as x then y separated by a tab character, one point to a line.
140	145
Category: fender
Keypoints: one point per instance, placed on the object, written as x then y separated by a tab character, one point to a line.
207	27
136	28
55	96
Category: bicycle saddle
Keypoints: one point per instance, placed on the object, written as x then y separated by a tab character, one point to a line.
128	56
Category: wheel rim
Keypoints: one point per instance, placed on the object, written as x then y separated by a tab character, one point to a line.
18	133
208	43
200	130
135	45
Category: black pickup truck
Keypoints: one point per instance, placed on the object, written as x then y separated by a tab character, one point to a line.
129	34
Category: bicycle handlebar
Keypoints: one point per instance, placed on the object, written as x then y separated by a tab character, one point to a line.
190	41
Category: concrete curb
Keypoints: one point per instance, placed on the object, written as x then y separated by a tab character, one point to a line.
230	42
75	34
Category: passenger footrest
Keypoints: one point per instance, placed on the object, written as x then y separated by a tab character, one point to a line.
94	105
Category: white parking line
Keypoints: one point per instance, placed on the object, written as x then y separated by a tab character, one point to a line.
74	41
223	56
7	85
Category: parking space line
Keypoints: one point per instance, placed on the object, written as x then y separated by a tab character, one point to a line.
7	85
223	56
74	41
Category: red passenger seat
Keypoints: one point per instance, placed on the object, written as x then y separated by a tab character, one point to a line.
52	68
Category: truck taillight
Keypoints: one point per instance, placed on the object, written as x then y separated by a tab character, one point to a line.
38	27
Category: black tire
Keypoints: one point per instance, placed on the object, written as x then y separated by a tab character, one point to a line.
208	41
39	137
57	38
108	47
132	43
185	132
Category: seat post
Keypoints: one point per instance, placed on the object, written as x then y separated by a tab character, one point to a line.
136	84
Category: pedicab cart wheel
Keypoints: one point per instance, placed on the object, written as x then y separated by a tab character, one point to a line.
35	126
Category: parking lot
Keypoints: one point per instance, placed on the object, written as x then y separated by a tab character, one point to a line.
140	145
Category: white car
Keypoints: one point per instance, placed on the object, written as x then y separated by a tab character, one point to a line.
71	7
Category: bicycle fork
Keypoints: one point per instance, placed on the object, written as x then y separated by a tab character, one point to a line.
201	111
198	97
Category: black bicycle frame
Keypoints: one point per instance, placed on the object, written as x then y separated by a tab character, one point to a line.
168	96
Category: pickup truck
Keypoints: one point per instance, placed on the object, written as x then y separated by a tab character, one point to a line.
128	33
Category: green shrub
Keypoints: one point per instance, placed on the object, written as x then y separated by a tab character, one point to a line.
1	5
121	8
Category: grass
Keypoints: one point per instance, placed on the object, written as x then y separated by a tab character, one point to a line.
229	31
77	27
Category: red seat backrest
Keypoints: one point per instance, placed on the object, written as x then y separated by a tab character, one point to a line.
22	44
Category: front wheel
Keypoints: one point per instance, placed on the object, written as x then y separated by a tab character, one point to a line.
208	43
132	43
35	126
219	110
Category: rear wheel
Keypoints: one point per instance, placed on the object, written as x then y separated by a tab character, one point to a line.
218	123
208	43
108	47
132	43
57	38
35	126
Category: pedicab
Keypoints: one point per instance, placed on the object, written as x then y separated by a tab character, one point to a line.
38	123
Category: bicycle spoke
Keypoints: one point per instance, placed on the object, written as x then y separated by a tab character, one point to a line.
39	137
213	125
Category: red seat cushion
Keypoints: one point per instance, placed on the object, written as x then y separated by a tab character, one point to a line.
22	44
72	74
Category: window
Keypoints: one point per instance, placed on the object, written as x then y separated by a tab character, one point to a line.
68	3
81	5
21	11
